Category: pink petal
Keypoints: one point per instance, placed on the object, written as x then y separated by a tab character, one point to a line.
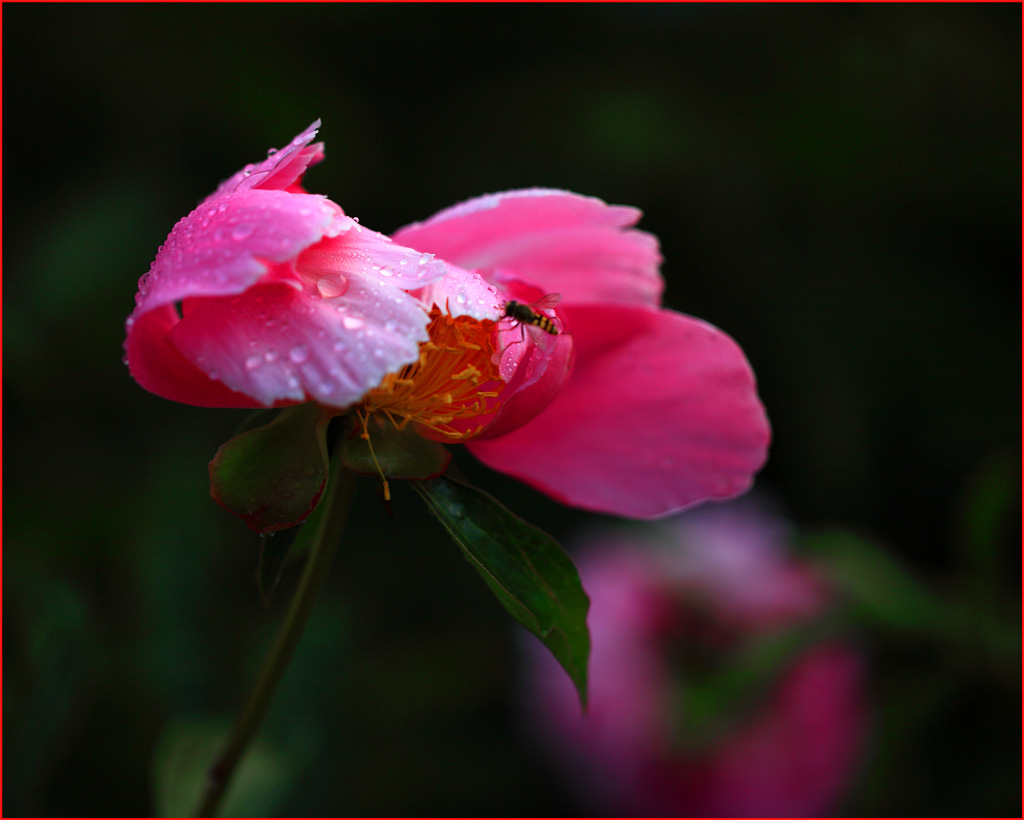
281	170
332	296
736	560
279	345
661	412
534	364
578	246
358	249
462	293
159	367
223	246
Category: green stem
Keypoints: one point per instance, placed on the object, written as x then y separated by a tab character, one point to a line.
326	523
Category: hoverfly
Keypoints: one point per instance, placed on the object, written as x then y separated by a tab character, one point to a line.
531	314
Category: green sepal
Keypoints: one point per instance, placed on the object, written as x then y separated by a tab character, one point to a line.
527	570
272	476
401	454
257	418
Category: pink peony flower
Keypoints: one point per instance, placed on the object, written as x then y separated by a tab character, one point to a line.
267	296
694	593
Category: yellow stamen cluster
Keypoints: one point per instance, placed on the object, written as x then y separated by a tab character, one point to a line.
454	379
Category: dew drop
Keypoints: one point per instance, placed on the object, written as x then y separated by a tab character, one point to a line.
270	356
271	152
299	354
352	322
331	286
425	257
252	362
243	231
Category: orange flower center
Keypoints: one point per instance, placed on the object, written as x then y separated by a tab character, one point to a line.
455	379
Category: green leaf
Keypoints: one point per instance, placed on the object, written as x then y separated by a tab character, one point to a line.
986	519
526	569
883	591
273	476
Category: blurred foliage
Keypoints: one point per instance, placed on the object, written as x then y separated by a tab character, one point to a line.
836	186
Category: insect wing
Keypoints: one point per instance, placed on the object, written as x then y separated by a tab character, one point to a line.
546	302
541	319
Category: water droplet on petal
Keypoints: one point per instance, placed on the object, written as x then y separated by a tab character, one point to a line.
352	322
270	356
243	231
252	362
331	286
425	257
299	354
271	152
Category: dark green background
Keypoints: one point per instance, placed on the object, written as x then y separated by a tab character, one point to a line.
838	187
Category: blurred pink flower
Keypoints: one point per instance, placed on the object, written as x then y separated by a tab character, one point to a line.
266	296
664	601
